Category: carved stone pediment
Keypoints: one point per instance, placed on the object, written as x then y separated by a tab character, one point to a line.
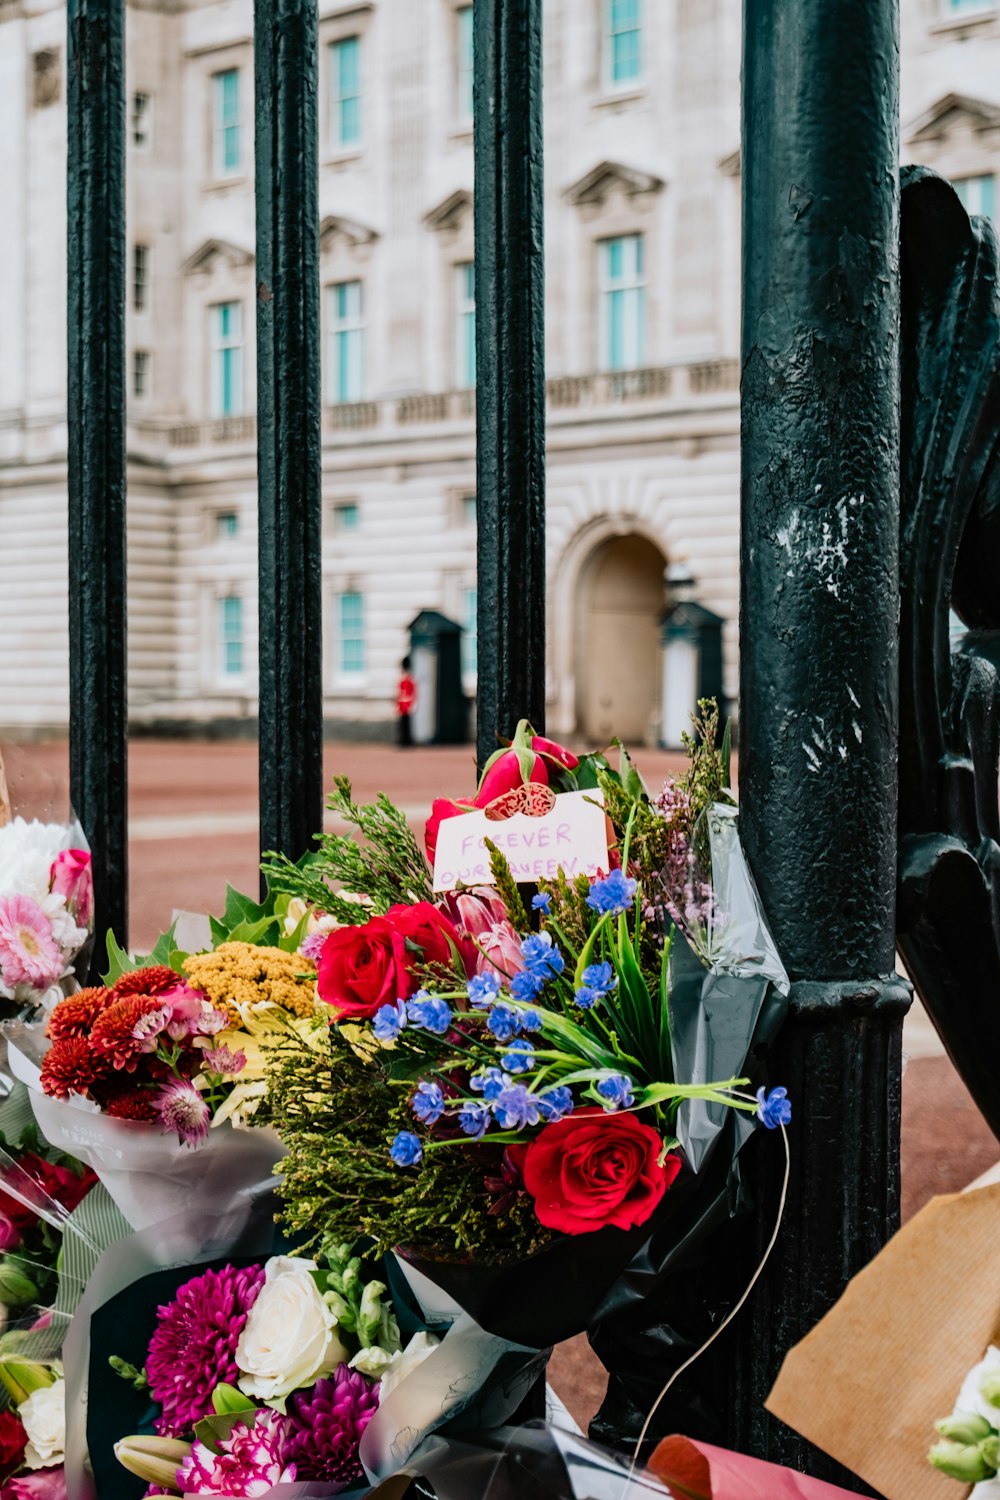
208	255
354	234
609	177
451	212
952	110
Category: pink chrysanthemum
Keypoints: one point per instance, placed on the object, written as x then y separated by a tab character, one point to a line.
29	953
194	1347
251	1462
325	1426
224	1061
180	1107
311	946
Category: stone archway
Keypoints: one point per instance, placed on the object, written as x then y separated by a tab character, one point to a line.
620	603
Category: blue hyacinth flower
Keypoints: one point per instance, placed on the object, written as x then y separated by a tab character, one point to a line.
612	895
406	1149
428	1103
774	1108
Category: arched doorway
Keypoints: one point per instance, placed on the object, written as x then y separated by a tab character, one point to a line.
620	604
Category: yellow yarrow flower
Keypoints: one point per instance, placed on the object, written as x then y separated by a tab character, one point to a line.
239	975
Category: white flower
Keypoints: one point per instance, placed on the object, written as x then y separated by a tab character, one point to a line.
971	1398
420	1346
373	1361
27	851
44	1418
288	1340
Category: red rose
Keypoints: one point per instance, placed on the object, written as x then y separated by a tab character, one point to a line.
592	1169
441	808
361	968
37	1176
13	1441
430	938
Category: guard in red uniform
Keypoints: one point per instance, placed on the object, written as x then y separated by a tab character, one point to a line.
406	699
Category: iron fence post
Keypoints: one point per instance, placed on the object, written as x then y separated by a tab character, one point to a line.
95	265
510	367
819	613
289	445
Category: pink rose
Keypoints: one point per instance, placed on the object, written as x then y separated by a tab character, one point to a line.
71	877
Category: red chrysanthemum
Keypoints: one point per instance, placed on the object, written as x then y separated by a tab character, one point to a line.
112	1037
70	1067
150	981
75	1015
127	1103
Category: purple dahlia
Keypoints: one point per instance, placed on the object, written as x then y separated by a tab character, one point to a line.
324	1427
194	1347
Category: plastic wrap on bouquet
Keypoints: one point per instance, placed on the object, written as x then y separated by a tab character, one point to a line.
470	1379
546	1463
148	1173
46	905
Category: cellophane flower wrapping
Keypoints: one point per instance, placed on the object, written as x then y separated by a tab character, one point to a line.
470	1380
46	910
147	1171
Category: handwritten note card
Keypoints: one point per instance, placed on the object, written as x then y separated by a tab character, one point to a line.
572	837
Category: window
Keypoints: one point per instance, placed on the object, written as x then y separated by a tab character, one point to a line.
622	297
227	359
346	358
463	63
227	523
469	511
140	373
465	325
954	7
231	636
345	517
141	122
226	131
140	277
345	92
977	194
622	41
470	630
350	654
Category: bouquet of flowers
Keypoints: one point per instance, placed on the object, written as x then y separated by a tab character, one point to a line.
46	909
130	1078
32	1430
37	1195
535	1071
968	1448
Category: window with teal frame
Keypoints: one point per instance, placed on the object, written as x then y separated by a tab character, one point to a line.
463	63
622	41
227	359
346	356
470	632
345	92
978	195
226	103
350	655
231	635
465	325
955	7
622	302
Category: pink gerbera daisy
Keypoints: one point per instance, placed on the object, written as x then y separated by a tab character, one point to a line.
28	952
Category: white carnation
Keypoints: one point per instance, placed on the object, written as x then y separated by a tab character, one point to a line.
44	1418
27	851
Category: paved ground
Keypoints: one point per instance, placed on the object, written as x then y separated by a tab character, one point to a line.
194	826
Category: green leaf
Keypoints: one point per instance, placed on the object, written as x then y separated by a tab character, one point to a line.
240	909
635	986
212	1430
632	783
289	942
264	932
218	930
726	754
119	962
666	1057
587	951
227	1399
162	949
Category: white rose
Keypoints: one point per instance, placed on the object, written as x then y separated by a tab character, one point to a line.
288	1340
44	1418
420	1346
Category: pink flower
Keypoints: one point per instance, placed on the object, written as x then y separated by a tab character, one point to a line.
150	1027
312	946
474	911
250	1464
500	952
28	952
222	1060
43	1484
180	1107
191	1014
72	878
10	1235
194	1347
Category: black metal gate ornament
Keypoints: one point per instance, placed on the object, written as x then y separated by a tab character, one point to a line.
949	824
